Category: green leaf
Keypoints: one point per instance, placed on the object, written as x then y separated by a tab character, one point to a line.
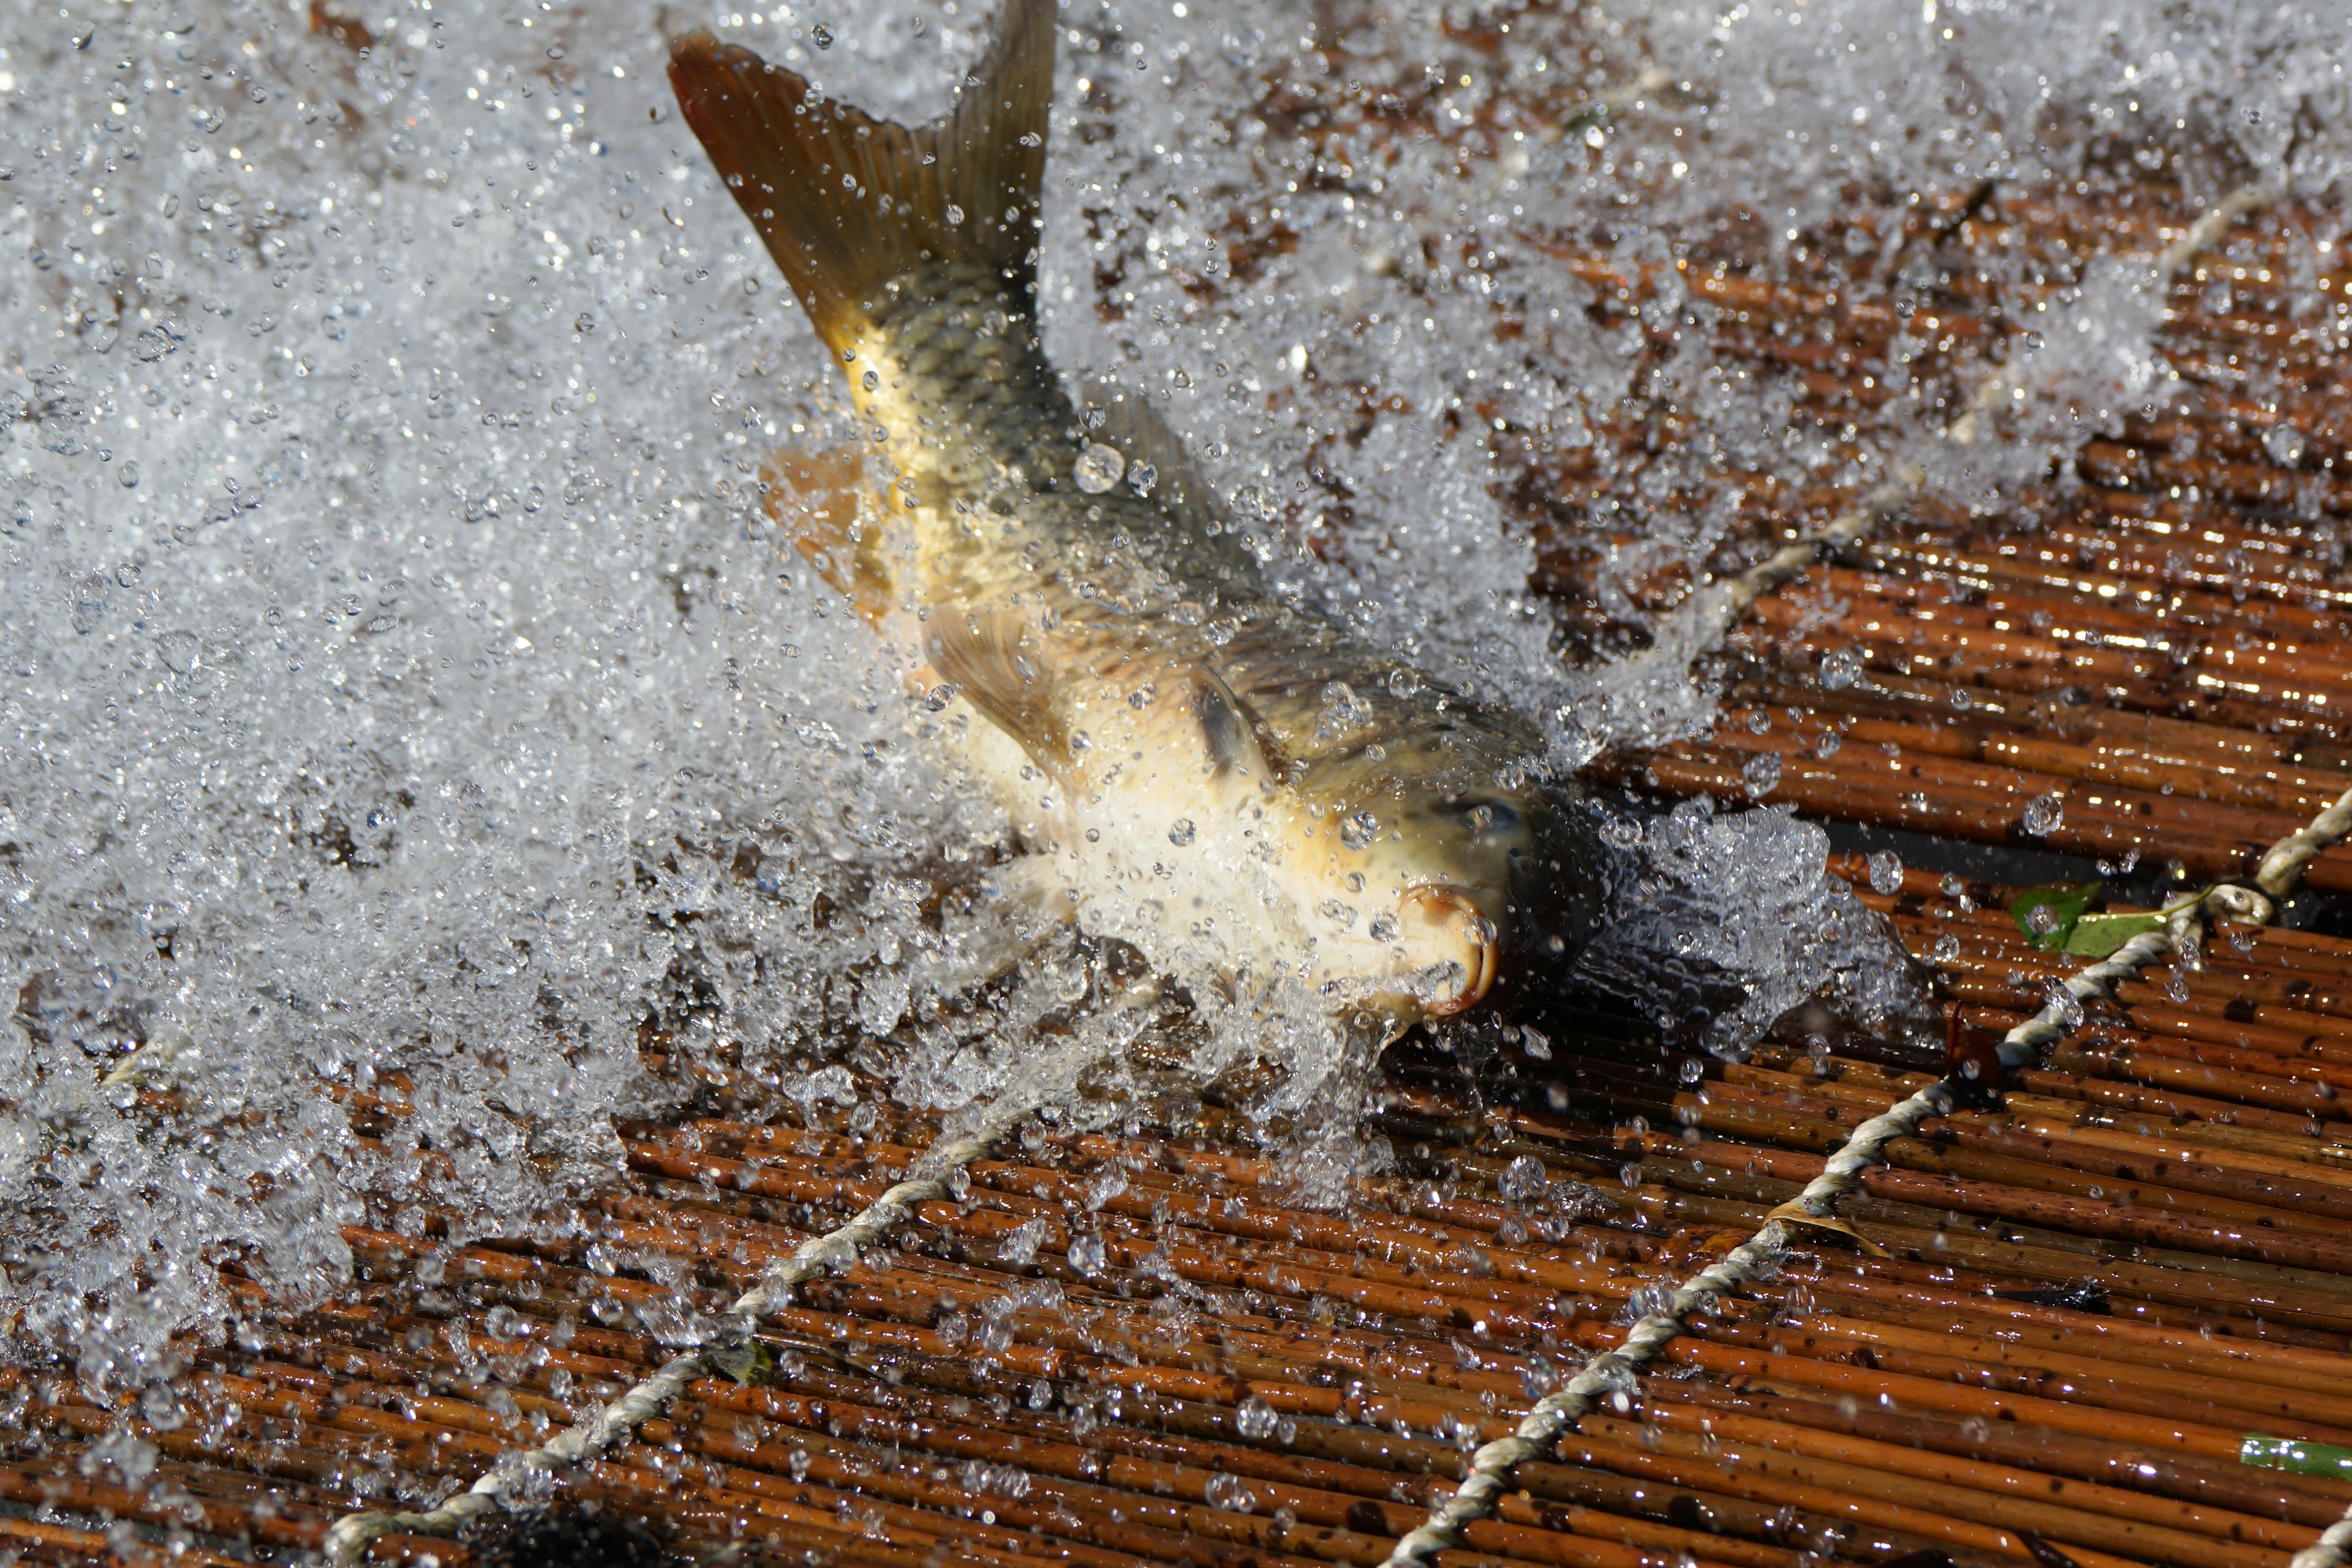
2067	905
2096	936
2292	1454
741	1358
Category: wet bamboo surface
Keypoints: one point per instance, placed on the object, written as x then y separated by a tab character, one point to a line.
2076	1304
2083	1300
2087	1298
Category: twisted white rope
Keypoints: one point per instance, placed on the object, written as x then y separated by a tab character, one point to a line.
2333	1548
346	1542
1711	617
2282	864
1492	1466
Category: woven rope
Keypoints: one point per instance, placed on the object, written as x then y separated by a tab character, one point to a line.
2333	1548
1493	1466
347	1541
1716	613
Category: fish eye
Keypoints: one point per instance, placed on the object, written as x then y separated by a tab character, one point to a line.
1487	815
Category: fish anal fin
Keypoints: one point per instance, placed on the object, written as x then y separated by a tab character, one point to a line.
1141	434
1002	668
1037	884
813	497
847	203
1227	735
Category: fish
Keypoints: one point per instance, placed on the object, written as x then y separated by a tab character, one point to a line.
1197	764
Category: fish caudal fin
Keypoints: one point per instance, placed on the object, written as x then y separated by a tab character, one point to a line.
847	203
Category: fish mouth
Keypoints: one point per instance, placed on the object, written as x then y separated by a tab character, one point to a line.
1453	918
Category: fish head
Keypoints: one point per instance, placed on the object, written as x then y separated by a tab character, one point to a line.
1456	882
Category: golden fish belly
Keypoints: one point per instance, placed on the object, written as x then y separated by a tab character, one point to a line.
1224	780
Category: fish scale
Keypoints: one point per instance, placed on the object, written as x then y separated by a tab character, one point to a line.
1232	781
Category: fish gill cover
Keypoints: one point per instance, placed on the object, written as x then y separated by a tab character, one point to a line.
405	695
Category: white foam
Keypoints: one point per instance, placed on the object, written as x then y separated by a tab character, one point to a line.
396	682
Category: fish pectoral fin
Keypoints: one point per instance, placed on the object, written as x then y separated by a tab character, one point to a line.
813	496
1002	667
1227	737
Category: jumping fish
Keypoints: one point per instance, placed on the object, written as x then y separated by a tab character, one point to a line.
1232	783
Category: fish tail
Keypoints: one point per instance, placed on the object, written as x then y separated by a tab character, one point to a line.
847	203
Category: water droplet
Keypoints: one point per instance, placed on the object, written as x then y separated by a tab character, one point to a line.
2063	1005
1535	1044
1841	667
1255	1419
1523	1181
1359	829
821	36
2044	812
2284	444
1232	1493
1384	927
1762	771
1086	1254
955	214
1143	475
1403	681
1181	834
1886	872
1256	503
178	650
1098	467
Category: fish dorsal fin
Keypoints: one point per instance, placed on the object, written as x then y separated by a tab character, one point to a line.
1004	668
848	203
1142	436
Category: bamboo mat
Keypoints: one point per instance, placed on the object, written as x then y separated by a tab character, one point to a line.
2070	1310
2081	1304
